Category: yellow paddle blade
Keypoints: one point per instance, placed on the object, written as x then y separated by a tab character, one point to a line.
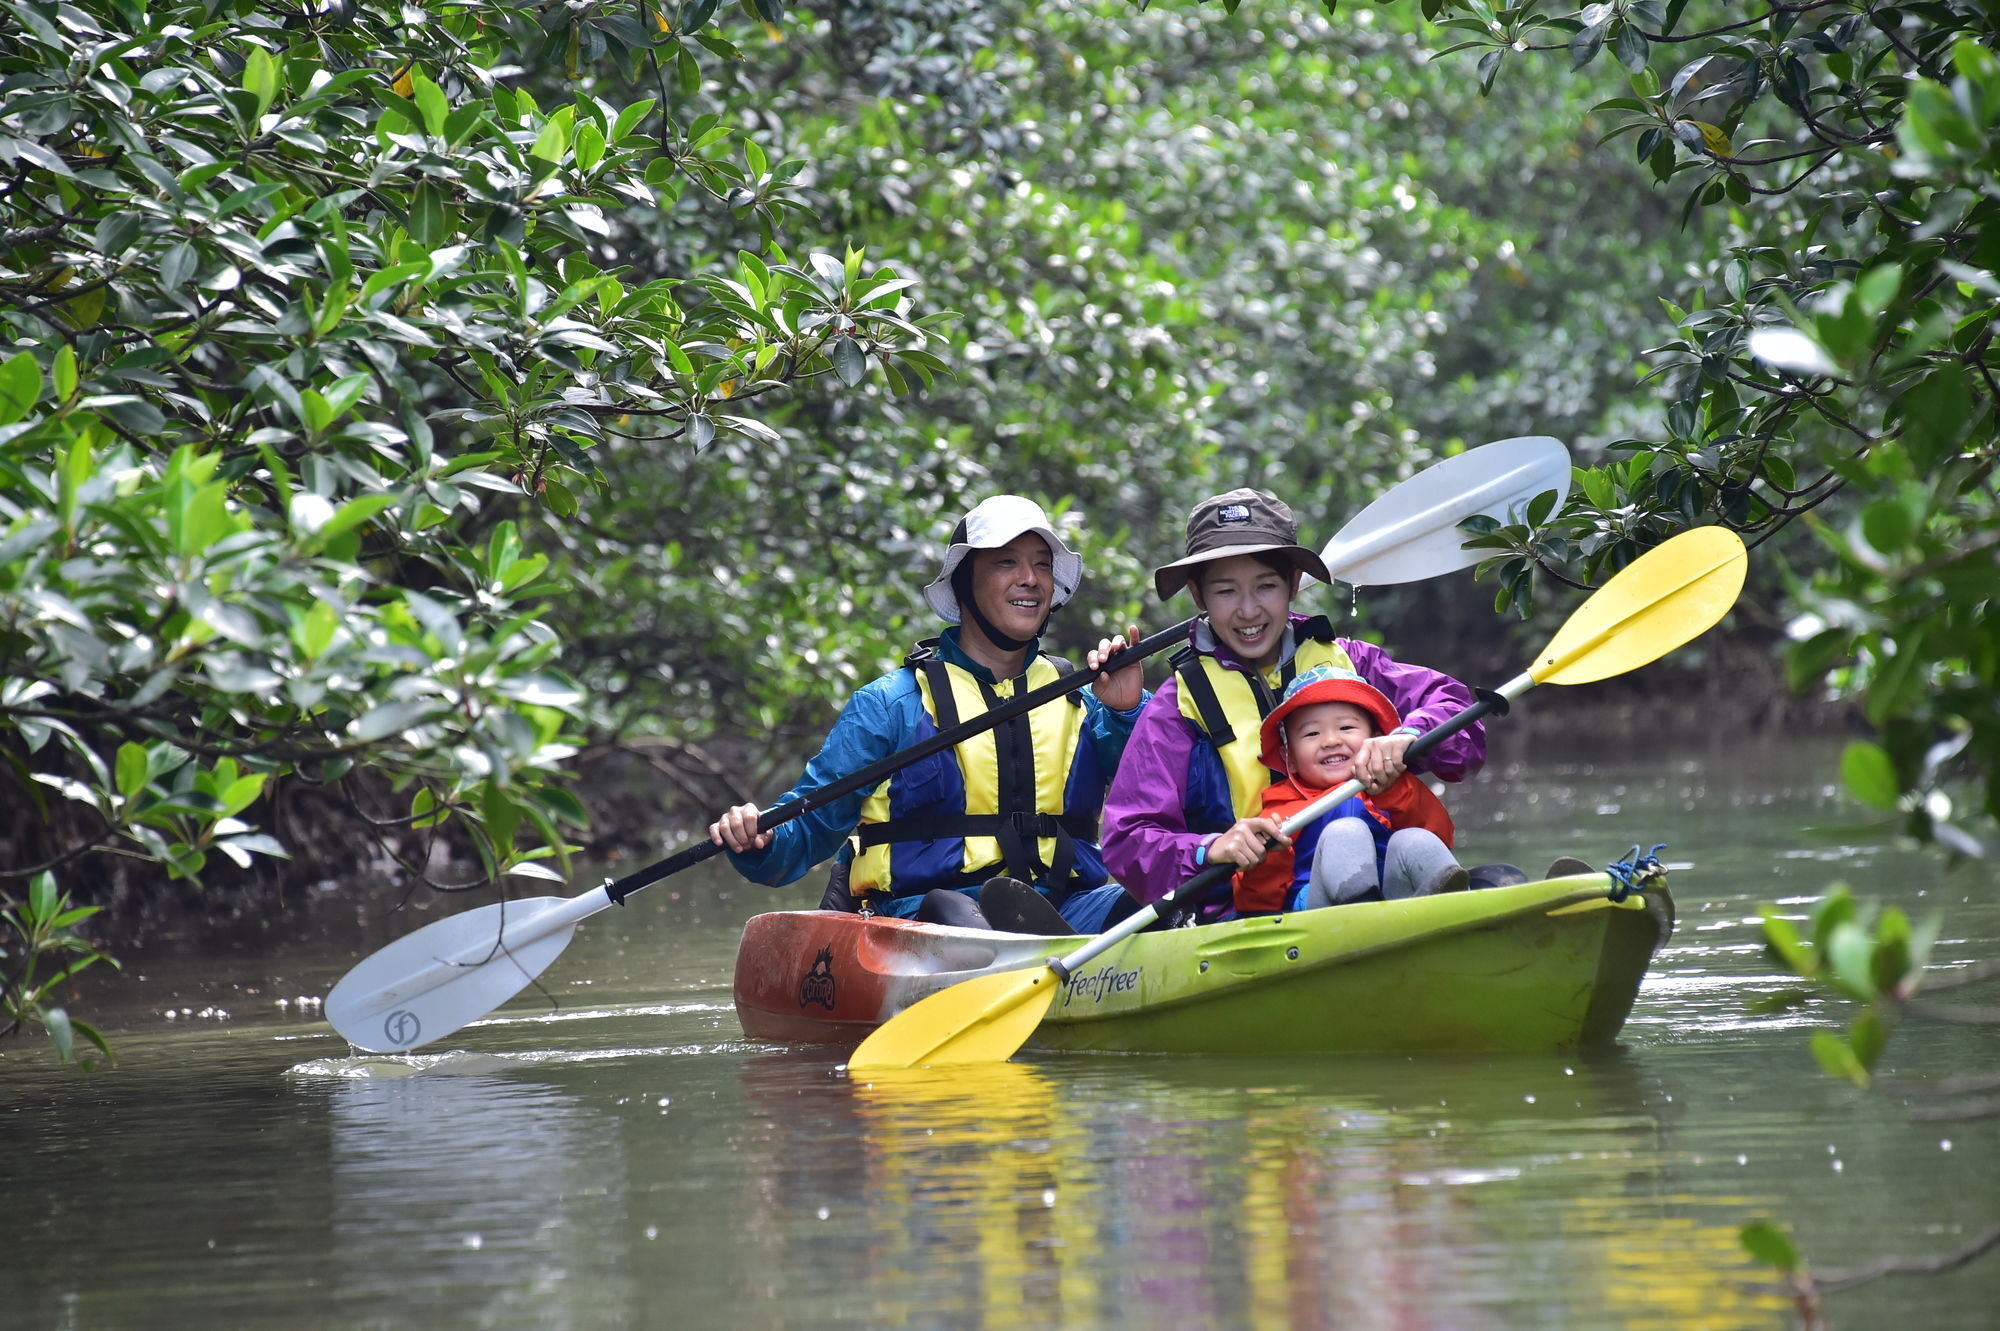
1670	594
982	1020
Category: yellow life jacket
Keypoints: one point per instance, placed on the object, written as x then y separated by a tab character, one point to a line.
995	803
1229	706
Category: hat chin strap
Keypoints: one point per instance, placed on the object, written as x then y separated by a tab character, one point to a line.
961	587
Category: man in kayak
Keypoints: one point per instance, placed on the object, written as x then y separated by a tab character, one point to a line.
1188	790
1391	843
1020	801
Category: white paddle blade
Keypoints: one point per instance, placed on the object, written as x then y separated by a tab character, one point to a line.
1412	533
452	971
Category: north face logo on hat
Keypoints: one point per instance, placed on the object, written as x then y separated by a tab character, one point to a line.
1230	514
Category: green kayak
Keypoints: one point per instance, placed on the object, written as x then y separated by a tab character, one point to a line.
1551	965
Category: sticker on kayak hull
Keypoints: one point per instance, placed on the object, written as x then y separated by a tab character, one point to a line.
817	986
1102	983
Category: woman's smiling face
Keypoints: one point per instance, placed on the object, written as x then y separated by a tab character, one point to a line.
1247	602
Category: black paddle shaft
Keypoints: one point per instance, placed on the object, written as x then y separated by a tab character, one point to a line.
1198	889
868	776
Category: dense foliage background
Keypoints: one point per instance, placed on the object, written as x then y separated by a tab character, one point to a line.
399	401
402	408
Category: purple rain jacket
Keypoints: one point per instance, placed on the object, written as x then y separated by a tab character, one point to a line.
1170	796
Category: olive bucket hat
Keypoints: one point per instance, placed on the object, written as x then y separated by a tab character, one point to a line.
1242	522
990	525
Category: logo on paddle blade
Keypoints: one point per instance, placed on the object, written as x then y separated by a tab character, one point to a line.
817	987
402	1028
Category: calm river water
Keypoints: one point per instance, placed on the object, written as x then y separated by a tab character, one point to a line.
626	1159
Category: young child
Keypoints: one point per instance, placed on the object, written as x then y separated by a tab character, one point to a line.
1382	845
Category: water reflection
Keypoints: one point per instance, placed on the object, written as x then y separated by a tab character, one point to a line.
632	1163
1232	1192
455	1185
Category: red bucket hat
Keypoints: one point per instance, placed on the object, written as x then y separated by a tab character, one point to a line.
1324	684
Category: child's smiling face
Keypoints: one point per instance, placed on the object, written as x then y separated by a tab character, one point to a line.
1323	738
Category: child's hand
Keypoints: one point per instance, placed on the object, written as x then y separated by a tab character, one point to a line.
1120	690
1244	844
1379	761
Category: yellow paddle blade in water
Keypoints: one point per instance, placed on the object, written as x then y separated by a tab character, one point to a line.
1670	594
982	1020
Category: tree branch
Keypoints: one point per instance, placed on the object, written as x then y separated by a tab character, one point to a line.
1835	1279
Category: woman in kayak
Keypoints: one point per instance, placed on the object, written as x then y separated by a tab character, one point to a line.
1188	790
1393	843
1020	801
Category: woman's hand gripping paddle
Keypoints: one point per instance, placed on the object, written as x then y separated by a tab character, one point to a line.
425	986
1661	600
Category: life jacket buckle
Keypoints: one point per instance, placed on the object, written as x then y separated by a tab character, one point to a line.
1026	824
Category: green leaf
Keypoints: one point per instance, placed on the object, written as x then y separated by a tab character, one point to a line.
501	817
1781	1000
1837	1058
430	225
1877	287
1935	413
344	393
1898	680
78	467
1832	910
425	810
132	769
1489	69
848	361
20	386
431	104
62	373
1769	1245
177	265
629	119
42	898
1866	1038
1848	954
56	1022
589	145
1870	775
241	793
1889	964
1583	48
391	719
1922	935
552	144
1782	937
1630	46
316	630
353	513
260	79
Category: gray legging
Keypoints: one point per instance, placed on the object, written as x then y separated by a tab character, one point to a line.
1417	863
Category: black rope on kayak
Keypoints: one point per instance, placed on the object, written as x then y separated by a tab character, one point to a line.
1636	872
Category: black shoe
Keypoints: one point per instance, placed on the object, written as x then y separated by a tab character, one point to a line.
1453	879
1497	875
1014	907
943	905
1566	866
